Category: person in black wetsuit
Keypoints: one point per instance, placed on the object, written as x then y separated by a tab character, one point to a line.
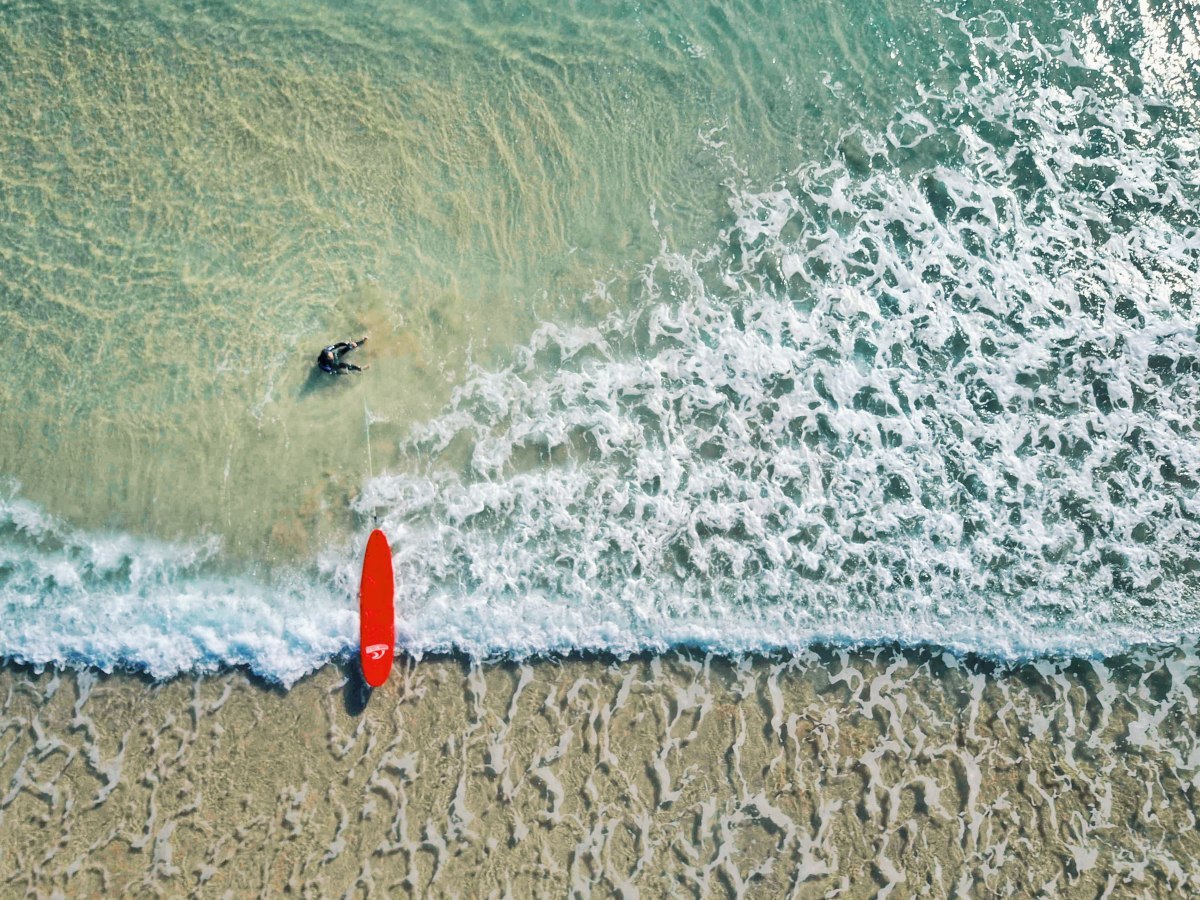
330	359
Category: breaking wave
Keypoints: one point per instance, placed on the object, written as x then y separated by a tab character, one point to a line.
939	387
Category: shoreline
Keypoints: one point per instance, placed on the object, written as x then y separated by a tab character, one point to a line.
346	662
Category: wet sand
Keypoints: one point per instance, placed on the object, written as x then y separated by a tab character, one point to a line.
830	774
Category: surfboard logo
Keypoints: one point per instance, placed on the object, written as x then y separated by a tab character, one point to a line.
376	651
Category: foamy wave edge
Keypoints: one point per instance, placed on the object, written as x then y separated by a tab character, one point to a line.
119	603
113	603
73	598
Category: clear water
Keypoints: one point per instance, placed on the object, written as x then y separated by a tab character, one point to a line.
743	327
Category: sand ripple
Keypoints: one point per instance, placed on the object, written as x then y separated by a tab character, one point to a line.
823	774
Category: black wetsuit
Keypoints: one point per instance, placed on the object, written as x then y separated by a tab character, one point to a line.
330	361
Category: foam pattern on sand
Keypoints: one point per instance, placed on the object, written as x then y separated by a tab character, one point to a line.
885	774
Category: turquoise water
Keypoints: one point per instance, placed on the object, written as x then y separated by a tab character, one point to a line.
744	327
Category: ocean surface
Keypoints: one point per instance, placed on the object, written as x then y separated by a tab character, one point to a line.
742	327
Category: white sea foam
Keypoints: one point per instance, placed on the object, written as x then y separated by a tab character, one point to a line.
113	601
939	387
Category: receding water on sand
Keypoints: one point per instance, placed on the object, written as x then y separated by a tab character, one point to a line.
825	773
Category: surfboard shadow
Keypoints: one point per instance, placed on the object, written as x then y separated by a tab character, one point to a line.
356	693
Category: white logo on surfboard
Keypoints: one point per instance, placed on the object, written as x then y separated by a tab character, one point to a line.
376	651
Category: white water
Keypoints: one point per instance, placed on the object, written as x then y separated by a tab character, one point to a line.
939	388
79	599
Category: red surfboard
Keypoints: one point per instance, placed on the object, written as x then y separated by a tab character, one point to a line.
376	611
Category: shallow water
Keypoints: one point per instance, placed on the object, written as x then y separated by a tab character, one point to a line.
195	201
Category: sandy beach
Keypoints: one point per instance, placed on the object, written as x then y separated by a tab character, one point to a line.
830	774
